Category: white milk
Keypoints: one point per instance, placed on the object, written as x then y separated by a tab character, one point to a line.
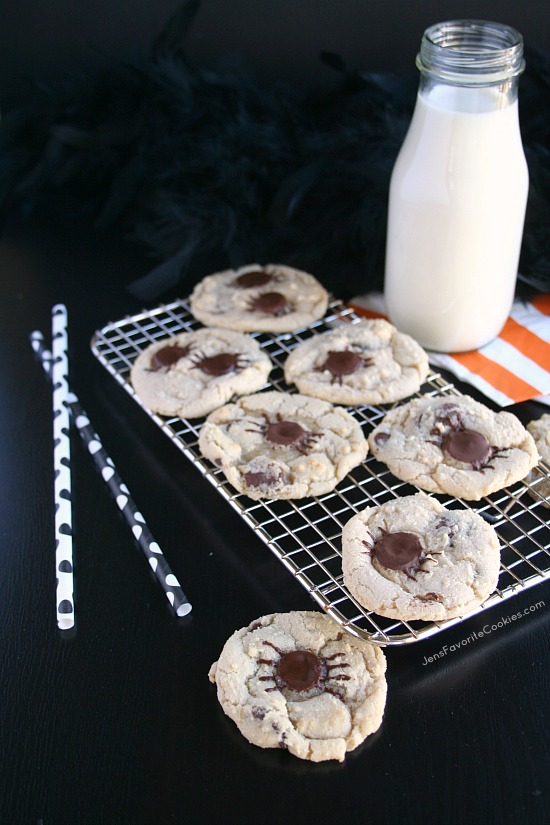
456	210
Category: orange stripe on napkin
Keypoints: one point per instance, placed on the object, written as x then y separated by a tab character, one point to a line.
497	375
542	303
527	342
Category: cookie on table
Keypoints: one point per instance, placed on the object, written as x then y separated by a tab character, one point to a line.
254	298
365	363
192	373
454	445
540	430
282	445
412	558
297	681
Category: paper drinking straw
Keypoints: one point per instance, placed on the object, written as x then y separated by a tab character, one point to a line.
62	471
168	581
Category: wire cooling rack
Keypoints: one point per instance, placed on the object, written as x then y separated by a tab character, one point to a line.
305	535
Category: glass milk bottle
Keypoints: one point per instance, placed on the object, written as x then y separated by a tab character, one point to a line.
458	190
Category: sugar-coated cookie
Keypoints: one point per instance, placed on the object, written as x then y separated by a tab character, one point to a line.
411	558
254	298
298	681
454	445
540	430
192	373
365	363
282	445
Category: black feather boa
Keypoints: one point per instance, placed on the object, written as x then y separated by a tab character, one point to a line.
208	169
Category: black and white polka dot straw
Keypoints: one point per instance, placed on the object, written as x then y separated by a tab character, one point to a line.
62	471
133	517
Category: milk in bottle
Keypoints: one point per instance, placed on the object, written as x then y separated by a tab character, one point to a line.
458	191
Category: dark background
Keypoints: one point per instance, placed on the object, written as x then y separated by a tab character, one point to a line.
278	39
117	724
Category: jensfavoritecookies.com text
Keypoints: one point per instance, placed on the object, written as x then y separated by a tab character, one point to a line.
486	630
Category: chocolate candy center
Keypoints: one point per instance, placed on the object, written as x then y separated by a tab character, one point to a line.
299	669
285	432
397	551
167	356
221	364
343	363
272	303
467	446
259	277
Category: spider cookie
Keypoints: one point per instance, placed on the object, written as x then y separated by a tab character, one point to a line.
192	373
297	681
270	298
413	559
454	445
540	430
365	363
282	445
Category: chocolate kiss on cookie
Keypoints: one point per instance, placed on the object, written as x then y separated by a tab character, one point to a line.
344	362
297	681
285	432
299	670
398	551
282	445
256	298
460	448
255	278
468	446
271	303
385	548
221	364
192	373
369	362
167	356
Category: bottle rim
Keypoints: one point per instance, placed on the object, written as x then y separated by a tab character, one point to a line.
474	51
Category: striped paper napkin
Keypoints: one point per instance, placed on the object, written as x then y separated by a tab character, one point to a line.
514	367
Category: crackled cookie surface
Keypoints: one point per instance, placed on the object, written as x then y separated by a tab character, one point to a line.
365	363
192	373
283	445
454	445
412	558
298	681
540	430
254	298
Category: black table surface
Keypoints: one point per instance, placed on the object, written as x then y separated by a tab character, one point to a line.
117	722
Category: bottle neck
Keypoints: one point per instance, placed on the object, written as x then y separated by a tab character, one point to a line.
469	98
471	53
